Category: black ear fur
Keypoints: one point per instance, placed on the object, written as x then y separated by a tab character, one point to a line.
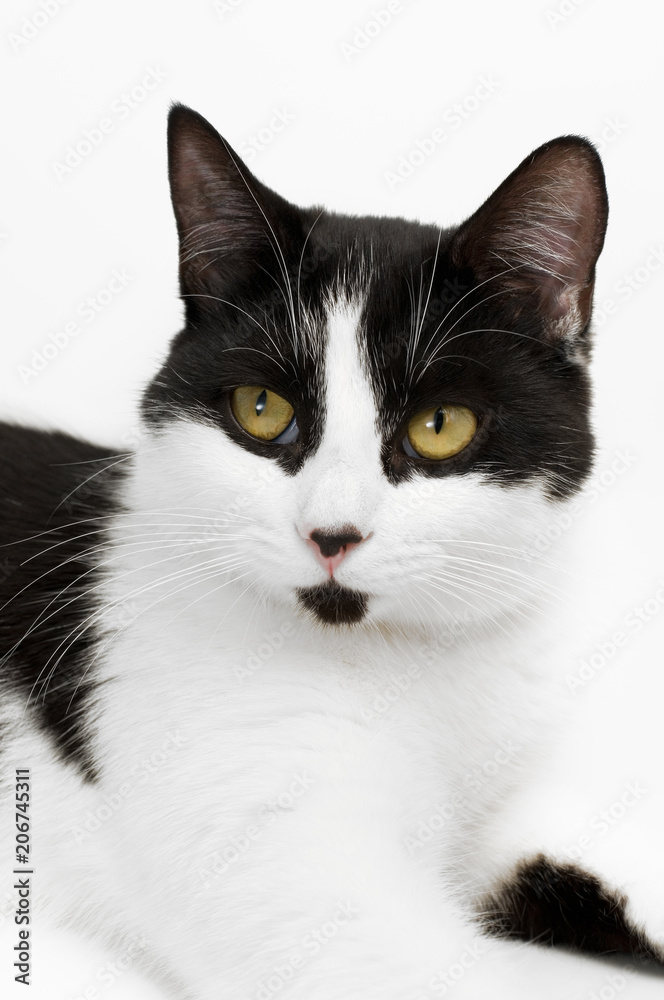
541	232
226	218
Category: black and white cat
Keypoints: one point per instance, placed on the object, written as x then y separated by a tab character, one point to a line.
253	665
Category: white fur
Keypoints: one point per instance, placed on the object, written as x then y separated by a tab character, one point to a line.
224	710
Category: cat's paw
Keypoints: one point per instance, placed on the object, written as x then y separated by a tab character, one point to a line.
560	903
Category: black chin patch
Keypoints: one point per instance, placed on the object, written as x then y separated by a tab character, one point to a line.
333	604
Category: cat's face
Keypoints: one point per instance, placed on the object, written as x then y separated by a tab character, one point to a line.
370	419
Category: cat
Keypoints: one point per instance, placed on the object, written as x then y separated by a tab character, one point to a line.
275	673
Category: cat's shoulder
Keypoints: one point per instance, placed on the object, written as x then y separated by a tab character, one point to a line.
28	454
56	491
45	482
57	494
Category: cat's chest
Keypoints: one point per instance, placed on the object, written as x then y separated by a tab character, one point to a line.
218	697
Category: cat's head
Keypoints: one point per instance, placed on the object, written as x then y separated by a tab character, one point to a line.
372	419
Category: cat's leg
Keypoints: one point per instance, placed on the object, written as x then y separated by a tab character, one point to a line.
598	897
575	859
64	892
549	899
295	877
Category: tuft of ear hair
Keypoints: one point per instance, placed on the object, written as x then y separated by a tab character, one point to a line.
540	234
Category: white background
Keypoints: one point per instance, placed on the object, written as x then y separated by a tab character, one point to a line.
356	105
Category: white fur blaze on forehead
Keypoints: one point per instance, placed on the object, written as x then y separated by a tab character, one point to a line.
350	404
342	478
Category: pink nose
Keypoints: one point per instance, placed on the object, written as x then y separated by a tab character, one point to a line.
331	548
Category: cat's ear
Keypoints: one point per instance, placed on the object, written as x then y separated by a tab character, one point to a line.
226	218
540	233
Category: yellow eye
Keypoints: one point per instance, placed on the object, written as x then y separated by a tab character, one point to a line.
261	412
441	432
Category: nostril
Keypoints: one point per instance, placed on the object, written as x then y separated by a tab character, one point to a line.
330	543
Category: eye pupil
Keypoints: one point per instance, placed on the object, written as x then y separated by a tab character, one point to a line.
261	403
453	428
264	414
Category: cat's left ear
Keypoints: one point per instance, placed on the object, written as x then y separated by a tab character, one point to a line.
539	236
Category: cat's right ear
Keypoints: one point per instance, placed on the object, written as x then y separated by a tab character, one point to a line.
226	218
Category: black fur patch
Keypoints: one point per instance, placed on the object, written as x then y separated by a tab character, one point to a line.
251	281
560	904
532	400
49	518
333	604
447	318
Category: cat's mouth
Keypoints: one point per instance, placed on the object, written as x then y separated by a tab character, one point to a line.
333	604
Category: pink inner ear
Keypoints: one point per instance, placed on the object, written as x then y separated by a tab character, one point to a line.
543	229
560	299
561	259
549	232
